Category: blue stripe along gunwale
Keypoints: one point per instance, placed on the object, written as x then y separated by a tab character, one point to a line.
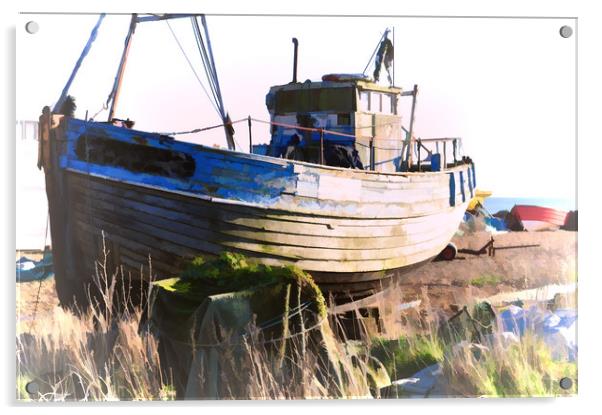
267	181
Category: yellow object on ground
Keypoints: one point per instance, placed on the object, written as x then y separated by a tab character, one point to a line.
479	198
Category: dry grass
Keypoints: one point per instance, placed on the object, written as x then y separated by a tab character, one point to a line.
102	354
506	369
96	354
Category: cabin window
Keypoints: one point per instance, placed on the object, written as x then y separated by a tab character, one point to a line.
372	101
387	104
315	99
344	119
138	158
365	101
376	102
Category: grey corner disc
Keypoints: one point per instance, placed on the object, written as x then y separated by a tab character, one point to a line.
566	383
32	27
32	388
566	31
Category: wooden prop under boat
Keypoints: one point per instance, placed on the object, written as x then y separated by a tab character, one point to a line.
146	195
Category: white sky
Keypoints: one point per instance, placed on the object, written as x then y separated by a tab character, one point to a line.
507	86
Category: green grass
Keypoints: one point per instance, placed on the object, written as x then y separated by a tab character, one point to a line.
407	355
485	280
524	369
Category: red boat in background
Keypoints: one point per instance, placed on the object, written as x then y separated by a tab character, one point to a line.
538	218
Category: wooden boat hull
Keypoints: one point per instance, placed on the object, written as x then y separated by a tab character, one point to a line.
351	229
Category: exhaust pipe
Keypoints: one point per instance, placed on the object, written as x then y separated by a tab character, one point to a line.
296	42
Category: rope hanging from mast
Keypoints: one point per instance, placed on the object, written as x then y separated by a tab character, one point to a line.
204	46
191	65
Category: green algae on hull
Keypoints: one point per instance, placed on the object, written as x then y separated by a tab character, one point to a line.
233	272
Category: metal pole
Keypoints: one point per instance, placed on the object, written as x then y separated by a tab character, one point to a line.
63	96
296	43
410	133
117	85
321	146
250	136
393	55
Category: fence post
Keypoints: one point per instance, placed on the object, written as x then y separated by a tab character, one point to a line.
250	136
321	146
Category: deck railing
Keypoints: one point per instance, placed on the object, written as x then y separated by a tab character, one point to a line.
418	146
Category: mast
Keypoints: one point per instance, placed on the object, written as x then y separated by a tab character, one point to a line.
114	95
393	59
91	40
218	93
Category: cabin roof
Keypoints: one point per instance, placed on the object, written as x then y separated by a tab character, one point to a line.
361	84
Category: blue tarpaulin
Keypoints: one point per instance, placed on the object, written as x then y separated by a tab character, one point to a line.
30	270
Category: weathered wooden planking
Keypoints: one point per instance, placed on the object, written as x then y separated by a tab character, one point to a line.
126	244
177	244
358	252
256	219
177	202
313	206
125	217
268	230
195	227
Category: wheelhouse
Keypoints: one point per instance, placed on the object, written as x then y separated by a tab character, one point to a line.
342	111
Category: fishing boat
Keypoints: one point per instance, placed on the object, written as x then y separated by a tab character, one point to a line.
539	218
343	190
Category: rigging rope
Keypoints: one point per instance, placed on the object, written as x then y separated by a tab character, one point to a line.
198	130
325	131
209	73
35	307
204	46
191	66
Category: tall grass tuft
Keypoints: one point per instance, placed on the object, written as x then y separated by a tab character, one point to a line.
503	368
95	353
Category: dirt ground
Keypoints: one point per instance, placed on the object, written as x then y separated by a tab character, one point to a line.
446	283
553	261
